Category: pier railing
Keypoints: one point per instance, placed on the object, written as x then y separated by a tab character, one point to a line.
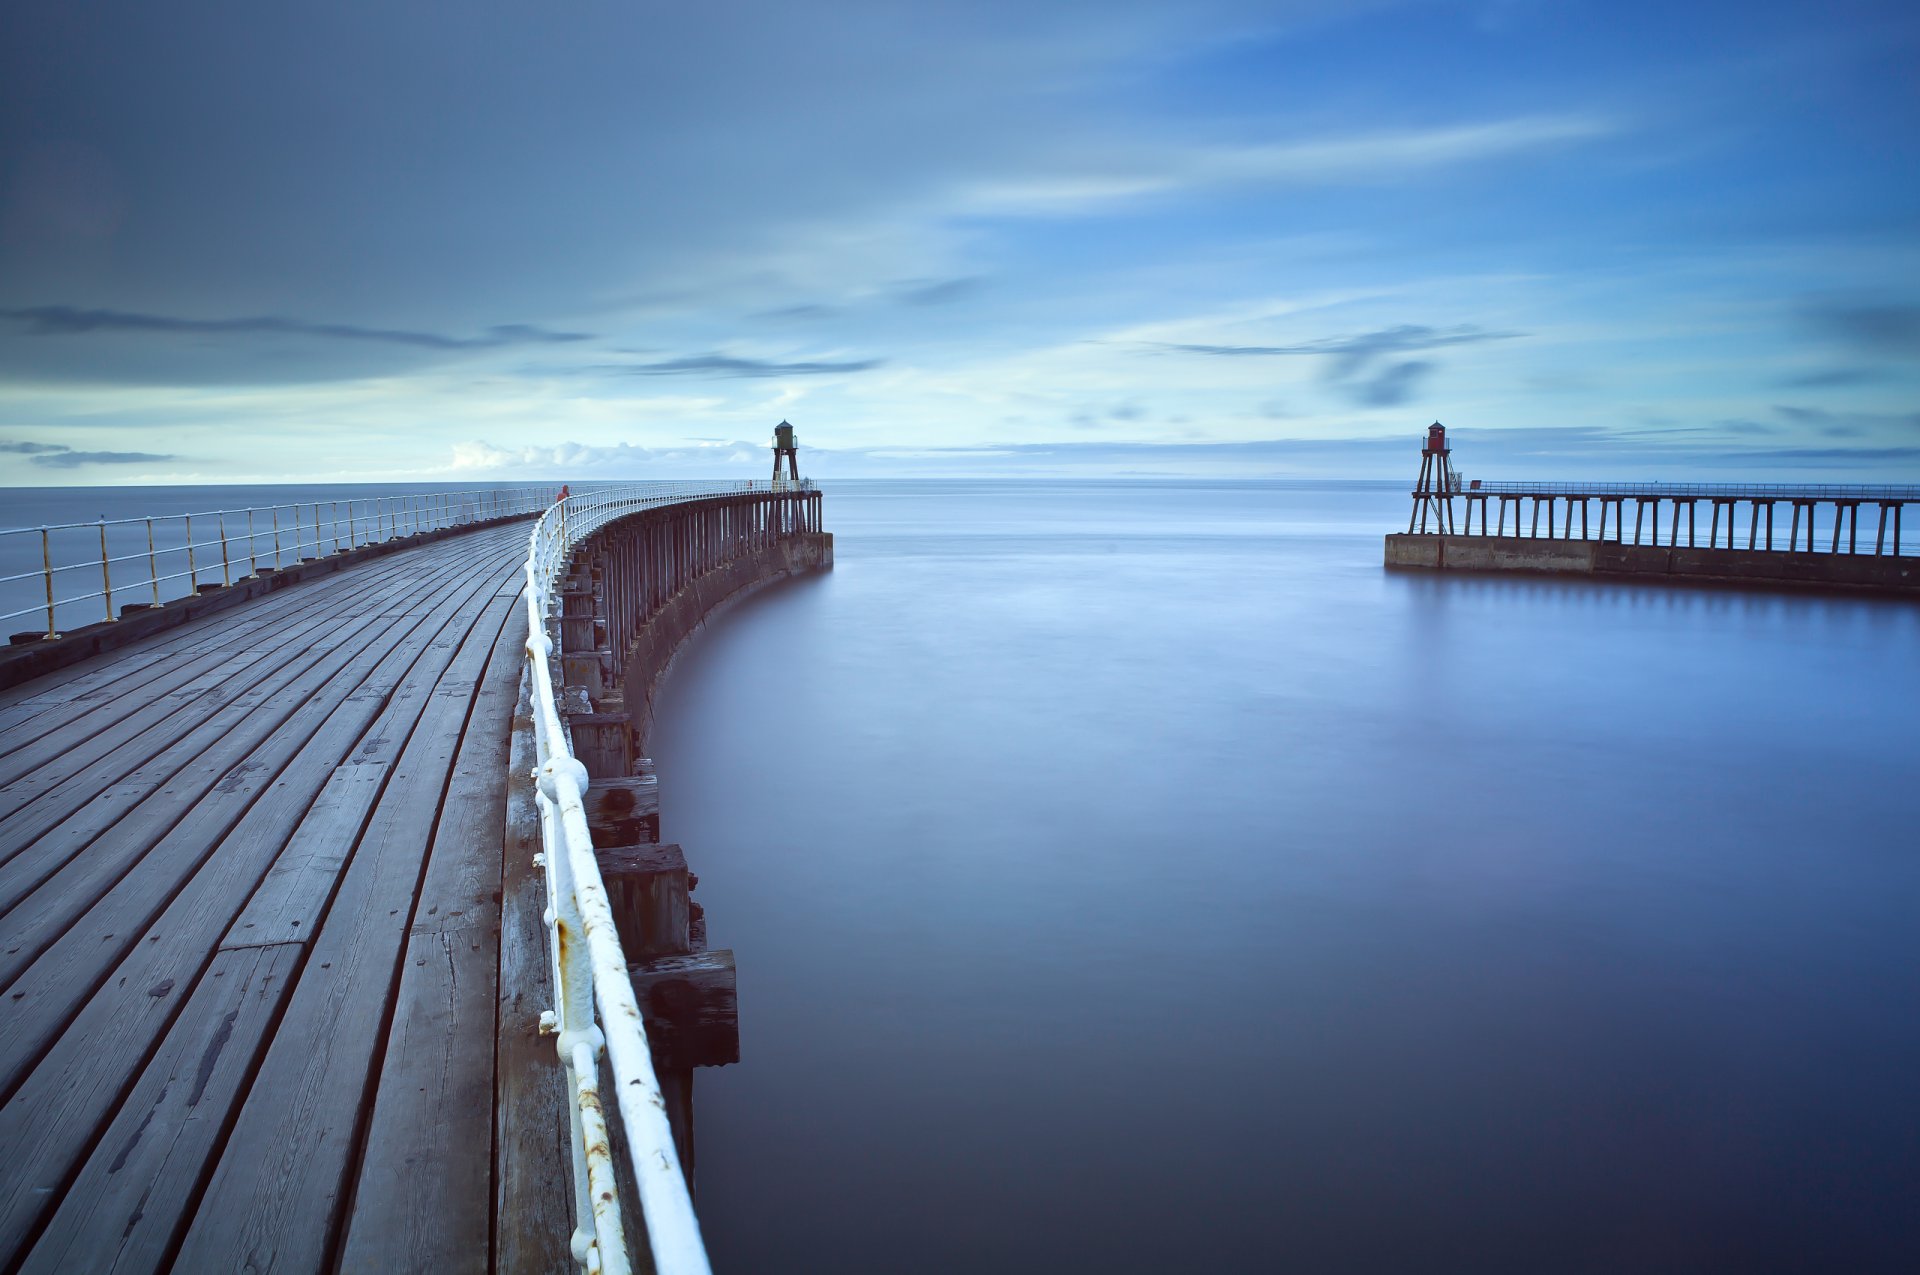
75	572
1701	491
595	1006
1816	518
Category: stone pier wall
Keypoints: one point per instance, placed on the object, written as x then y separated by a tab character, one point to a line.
1606	559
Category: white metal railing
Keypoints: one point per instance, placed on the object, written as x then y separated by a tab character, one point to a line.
149	561
1778	493
589	968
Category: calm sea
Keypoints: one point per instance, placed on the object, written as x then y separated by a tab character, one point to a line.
1136	877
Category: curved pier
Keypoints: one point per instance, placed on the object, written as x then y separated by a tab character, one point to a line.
273	966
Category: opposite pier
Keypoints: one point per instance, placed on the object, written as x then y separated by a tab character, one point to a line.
278	981
1806	536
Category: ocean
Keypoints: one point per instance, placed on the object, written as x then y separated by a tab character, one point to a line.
1134	876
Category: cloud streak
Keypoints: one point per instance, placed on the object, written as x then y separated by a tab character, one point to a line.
1374	157
58	456
1351	354
727	365
62	320
1885	329
1352	358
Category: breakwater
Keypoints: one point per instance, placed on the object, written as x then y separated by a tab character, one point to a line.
1794	535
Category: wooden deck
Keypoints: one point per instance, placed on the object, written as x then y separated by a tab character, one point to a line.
250	918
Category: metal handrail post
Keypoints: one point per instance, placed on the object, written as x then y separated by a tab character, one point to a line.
253	559
153	564
276	537
46	567
193	570
106	576
226	572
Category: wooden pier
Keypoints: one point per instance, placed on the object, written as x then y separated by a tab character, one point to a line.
1798	535
273	951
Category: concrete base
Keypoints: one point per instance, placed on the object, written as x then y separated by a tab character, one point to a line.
1605	559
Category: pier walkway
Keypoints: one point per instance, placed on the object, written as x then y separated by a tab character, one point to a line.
332	898
250	884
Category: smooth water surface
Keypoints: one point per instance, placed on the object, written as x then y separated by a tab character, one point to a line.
1136	877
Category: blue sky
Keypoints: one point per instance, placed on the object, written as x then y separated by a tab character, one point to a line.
439	242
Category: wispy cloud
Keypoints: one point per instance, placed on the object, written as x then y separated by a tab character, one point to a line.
57	456
1352	359
1351	354
1881	328
731	366
1847	424
62	320
1834	378
1379	156
937	292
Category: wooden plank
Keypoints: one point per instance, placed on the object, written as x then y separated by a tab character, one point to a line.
134	753
89	730
181	788
290	767
103	678
72	1089
287	582
277	1196
294	896
533	1189
423	1196
11	829
40	840
121	1211
144	730
118	1025
230	775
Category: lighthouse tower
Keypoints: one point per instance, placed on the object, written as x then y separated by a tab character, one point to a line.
1433	495
784	445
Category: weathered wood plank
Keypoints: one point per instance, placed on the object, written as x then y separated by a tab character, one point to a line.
220	655
138	755
291	768
101	682
118	886
423	1197
276	1198
120	1213
69	1082
533	1190
289	903
79	750
37	842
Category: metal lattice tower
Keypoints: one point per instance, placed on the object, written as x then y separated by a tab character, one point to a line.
1433	494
